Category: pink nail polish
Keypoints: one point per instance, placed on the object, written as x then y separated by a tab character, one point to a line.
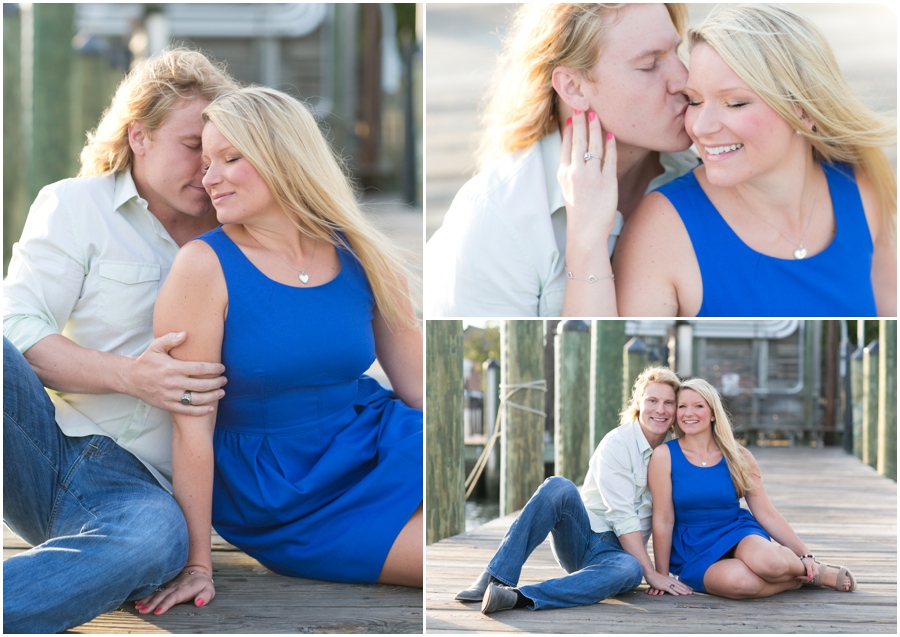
609	136
157	611
592	115
578	112
569	122
199	603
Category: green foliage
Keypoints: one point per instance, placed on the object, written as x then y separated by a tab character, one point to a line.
481	344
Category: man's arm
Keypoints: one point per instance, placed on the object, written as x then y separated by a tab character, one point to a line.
46	278
154	376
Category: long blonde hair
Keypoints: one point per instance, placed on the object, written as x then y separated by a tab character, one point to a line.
662	375
146	95
786	60
722	433
281	140
522	107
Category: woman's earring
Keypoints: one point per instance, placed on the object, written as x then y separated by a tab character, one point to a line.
798	132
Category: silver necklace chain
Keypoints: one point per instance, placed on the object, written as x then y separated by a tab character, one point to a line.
799	252
302	275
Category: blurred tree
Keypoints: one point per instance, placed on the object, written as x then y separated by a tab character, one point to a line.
480	344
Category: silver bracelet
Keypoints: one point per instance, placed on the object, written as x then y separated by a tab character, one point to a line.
590	279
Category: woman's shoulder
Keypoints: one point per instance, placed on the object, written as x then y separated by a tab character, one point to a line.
196	260
662	452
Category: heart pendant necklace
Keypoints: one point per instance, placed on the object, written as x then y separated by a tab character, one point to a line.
301	274
799	252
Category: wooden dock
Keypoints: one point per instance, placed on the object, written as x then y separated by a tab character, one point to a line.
844	511
252	599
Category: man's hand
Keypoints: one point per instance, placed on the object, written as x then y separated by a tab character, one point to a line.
160	380
660	584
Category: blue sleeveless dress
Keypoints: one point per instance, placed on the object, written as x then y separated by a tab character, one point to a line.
709	520
317	466
738	281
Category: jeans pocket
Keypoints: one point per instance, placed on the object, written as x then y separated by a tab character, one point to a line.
127	293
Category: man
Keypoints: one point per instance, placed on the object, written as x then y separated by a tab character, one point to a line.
599	536
502	249
87	468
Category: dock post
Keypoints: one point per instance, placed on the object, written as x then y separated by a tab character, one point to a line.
571	401
491	407
607	374
50	157
445	447
870	405
15	208
636	359
857	398
887	399
522	437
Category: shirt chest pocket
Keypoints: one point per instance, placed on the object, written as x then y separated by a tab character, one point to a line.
127	293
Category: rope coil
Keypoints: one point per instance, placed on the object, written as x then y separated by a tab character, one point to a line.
481	463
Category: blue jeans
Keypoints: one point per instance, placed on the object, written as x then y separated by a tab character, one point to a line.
104	531
597	564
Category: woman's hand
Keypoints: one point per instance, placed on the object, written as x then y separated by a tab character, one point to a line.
660	584
590	187
812	569
193	583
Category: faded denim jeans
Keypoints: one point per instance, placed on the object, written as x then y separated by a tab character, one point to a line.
103	530
597	564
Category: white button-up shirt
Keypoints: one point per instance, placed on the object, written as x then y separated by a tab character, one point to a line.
615	491
88	266
501	249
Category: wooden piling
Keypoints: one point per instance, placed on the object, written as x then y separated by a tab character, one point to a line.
445	448
869	423
490	409
636	359
856	399
887	399
50	158
15	208
607	374
572	405
522	437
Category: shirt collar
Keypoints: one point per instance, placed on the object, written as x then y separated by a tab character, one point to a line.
126	190
642	444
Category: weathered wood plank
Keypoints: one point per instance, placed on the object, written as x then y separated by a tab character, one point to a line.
845	512
252	599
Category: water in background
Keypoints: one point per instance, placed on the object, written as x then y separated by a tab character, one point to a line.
480	511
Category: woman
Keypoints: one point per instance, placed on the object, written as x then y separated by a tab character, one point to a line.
793	211
503	248
701	533
296	293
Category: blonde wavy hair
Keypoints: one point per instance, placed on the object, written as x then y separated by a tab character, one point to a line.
722	433
146	95
522	108
650	375
786	60
281	139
